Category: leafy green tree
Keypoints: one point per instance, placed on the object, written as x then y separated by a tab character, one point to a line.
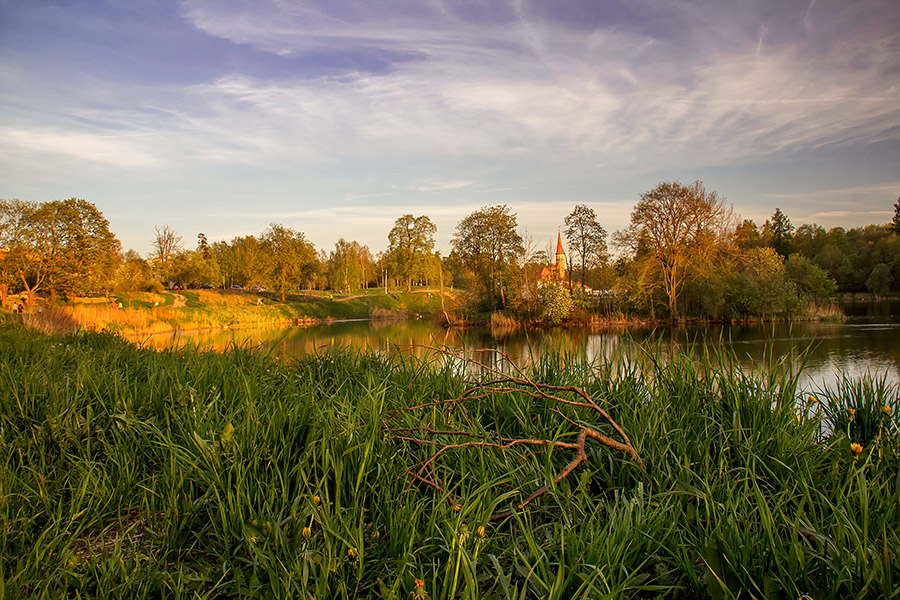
133	274
84	252
762	287
587	240
880	280
677	226
777	233
808	240
290	260
411	242
812	283
556	302
350	266
487	245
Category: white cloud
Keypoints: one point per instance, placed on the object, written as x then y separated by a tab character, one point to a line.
525	88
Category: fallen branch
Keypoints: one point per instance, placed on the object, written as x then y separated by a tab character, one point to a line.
500	382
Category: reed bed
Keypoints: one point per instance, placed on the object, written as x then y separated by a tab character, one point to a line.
128	472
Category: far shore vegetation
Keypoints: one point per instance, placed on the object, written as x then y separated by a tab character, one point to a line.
133	473
685	256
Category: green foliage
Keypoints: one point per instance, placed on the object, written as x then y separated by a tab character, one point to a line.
880	280
778	233
411	246
556	302
350	266
811	281
64	246
864	411
761	287
289	260
486	248
131	473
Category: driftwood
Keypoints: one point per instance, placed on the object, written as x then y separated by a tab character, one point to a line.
499	382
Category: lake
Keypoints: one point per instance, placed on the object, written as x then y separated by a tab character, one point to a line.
867	342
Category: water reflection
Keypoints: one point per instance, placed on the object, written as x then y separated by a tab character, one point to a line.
867	343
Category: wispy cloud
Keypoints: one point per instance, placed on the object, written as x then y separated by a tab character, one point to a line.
446	106
432	185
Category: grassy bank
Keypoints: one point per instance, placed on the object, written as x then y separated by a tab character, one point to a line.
140	474
144	312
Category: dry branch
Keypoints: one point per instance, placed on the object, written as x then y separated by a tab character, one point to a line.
500	382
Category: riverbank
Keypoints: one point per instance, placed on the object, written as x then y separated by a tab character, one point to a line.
146	313
135	473
506	320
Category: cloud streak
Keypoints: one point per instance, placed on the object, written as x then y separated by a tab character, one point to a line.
427	104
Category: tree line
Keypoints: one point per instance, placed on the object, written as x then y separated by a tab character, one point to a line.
684	254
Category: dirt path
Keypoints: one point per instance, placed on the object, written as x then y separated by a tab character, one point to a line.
179	301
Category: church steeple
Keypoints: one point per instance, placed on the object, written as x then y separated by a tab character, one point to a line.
560	257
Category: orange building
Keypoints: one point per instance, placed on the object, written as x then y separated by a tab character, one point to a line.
555	272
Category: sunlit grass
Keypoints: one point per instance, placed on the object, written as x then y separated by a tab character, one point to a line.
126	472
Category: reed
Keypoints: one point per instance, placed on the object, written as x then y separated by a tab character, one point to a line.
126	472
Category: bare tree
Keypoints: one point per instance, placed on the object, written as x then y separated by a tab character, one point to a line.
166	244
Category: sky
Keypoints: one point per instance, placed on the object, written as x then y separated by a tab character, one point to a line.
336	117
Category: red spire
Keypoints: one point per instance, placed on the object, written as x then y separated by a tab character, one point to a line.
559	248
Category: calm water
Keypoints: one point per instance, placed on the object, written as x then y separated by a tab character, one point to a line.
869	341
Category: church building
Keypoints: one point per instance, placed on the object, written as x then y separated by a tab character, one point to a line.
555	272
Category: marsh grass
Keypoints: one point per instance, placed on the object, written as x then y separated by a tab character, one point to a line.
126	472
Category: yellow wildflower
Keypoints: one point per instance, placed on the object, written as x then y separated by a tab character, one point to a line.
419	593
307	531
351	552
813	400
480	531
316	500
852	412
856	448
886	410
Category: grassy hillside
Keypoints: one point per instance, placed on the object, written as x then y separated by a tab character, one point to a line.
197	309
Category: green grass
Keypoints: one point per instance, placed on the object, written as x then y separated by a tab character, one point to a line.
131	473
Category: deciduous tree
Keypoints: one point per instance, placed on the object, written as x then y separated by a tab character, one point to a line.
587	239
677	225
290	258
166	244
411	242
487	244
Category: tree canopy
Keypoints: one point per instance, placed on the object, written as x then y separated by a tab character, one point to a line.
411	242
676	225
487	244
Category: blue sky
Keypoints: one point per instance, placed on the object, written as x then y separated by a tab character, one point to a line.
336	117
